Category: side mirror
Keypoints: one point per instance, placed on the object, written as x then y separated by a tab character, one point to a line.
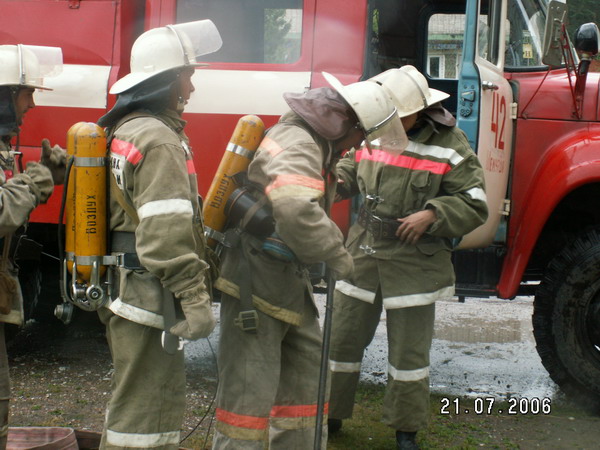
552	54
587	37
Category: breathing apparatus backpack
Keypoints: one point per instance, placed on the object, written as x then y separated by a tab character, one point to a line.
233	203
84	208
229	178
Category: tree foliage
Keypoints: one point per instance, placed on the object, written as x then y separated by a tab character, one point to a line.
583	11
277	28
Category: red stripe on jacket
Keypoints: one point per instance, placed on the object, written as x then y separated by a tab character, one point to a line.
190	167
404	161
126	149
296	180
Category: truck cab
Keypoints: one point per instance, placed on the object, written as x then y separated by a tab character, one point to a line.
519	88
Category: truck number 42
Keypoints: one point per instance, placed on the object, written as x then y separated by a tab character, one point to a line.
498	119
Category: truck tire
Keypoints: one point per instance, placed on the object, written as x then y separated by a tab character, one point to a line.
566	319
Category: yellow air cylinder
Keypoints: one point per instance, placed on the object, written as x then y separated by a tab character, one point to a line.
244	141
70	201
90	199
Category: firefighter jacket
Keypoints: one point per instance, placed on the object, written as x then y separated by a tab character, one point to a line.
19	194
296	168
438	170
152	165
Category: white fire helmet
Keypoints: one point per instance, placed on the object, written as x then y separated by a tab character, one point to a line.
28	65
169	47
376	113
409	90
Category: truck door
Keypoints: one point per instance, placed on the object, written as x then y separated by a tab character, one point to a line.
484	110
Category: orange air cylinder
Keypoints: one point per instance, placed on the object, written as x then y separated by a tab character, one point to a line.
239	152
89	142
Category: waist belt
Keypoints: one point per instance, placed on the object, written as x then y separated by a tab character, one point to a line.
379	227
123	243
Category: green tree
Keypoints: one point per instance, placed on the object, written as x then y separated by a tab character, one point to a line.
277	28
583	11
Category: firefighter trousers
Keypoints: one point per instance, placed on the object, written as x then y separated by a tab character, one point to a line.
409	334
268	382
148	388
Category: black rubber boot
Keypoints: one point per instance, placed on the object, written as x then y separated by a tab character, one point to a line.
334	425
406	440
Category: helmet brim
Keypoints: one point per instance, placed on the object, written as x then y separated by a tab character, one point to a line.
436	97
133	79
29	85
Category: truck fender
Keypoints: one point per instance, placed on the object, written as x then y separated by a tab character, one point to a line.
570	163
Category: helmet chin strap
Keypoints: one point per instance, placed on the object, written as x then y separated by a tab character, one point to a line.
180	106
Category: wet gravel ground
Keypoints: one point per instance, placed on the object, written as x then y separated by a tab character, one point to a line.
483	348
60	376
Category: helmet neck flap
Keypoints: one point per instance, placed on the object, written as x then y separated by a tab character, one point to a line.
8	114
153	95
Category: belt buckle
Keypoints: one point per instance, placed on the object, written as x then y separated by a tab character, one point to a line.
247	321
120	257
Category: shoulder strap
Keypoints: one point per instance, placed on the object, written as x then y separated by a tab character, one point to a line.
120	198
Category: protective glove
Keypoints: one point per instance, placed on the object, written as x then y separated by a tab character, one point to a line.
39	180
199	320
55	159
342	265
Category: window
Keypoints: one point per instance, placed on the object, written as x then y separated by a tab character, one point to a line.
444	45
253	31
435	66
488	44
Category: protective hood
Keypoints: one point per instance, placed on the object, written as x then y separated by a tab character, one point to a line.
153	95
440	115
325	110
8	116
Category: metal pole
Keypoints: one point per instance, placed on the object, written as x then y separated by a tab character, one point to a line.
324	360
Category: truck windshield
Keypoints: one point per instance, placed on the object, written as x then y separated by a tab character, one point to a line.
526	20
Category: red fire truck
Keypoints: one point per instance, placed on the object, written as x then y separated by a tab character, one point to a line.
518	87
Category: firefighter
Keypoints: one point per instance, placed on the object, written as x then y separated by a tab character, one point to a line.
155	223
416	207
270	340
21	73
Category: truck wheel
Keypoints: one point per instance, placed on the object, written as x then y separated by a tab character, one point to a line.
566	319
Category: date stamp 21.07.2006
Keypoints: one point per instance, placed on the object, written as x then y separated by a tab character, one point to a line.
491	405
